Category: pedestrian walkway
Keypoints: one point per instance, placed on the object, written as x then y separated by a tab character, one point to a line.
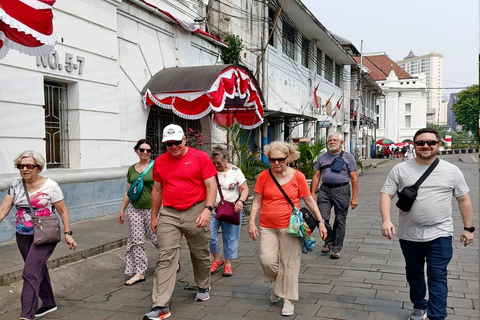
367	283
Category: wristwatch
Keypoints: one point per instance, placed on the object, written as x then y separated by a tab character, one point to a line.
68	232
242	201
209	208
471	229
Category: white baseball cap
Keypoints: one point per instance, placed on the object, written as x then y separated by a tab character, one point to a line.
172	132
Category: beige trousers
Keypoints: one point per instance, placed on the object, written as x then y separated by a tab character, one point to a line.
172	225
280	257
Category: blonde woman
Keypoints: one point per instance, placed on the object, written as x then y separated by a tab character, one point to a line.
280	253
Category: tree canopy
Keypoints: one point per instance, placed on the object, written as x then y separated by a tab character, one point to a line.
466	110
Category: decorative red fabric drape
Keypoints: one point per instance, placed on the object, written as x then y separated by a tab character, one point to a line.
26	26
231	83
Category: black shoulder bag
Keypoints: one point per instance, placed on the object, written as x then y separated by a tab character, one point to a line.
306	214
407	196
336	165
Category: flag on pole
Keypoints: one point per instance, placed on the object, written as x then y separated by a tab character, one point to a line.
316	101
328	105
339	111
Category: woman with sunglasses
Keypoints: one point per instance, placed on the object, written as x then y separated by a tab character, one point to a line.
45	196
139	215
280	253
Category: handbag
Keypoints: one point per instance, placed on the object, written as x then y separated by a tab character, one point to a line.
408	195
225	209
136	188
309	218
46	230
297	225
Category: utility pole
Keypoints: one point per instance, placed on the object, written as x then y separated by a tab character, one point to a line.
359	106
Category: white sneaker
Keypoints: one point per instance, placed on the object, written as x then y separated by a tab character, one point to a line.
288	308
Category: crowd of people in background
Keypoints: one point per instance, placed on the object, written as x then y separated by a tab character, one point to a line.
406	152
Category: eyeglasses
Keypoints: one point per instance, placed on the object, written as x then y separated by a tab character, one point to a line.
145	150
28	166
177	143
430	143
280	160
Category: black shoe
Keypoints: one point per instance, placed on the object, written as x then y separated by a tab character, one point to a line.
45	310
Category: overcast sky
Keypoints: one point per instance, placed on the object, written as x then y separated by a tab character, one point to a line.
395	27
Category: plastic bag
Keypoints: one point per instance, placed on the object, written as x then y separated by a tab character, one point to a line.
297	227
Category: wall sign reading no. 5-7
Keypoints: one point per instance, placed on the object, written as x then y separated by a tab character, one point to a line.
52	60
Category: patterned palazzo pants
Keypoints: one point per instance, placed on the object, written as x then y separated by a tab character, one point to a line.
138	227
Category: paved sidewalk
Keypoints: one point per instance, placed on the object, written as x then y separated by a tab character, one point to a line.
367	283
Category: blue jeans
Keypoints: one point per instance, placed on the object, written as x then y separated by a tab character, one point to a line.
437	253
230	236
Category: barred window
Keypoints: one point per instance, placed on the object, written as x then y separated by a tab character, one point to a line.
288	39
338	74
328	68
319	62
56	124
305	51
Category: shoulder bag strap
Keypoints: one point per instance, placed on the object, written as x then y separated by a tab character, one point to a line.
426	173
281	189
219	188
147	169
28	197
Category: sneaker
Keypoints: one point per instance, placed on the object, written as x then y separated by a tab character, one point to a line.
45	310
227	271
335	255
215	265
418	314
203	294
288	308
157	313
274	298
327	246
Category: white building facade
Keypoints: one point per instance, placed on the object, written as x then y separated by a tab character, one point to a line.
81	106
432	66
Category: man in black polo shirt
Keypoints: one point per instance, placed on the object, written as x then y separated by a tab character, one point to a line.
336	168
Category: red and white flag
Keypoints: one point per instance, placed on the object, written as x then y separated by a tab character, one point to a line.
316	101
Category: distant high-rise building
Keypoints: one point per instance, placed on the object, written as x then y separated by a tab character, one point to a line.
450	115
431	65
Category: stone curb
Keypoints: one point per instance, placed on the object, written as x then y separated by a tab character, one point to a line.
16	275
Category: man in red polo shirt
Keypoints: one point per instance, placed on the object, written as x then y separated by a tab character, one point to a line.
185	189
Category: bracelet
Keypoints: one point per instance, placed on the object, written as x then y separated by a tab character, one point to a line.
242	201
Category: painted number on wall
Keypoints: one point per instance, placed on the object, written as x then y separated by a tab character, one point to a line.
52	60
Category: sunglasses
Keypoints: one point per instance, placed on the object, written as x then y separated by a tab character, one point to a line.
145	150
280	160
430	143
177	143
28	166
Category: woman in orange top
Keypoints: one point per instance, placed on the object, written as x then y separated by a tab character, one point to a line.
280	253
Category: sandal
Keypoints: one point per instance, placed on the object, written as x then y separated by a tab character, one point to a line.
227	271
133	280
215	265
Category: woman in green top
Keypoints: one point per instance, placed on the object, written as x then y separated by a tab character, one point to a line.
139	215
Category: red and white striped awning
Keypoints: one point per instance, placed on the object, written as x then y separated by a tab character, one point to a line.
229	91
26	26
